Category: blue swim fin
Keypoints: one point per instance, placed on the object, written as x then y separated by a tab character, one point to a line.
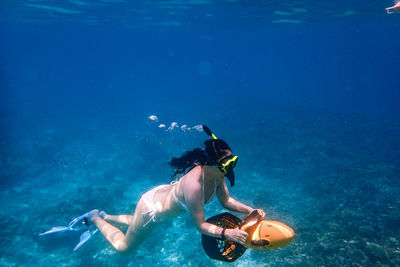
57	229
85	236
79	221
77	224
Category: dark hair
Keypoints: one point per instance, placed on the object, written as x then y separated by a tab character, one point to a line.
215	148
191	158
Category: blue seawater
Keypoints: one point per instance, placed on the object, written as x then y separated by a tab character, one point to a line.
305	92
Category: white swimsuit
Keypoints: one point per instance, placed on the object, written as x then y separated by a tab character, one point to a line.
155	208
152	208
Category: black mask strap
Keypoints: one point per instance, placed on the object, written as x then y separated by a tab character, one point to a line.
231	178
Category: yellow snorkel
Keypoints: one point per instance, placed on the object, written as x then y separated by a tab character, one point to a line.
208	132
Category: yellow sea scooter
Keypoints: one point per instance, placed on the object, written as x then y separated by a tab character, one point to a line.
262	234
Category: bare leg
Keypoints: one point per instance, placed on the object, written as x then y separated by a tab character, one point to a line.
136	233
111	233
120	220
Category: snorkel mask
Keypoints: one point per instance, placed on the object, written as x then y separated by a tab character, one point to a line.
226	164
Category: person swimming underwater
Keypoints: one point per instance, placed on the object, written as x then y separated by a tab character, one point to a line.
202	176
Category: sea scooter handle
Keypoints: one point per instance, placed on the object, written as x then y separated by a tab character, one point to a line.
264	234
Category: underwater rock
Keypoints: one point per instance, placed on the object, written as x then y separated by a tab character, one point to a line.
366	231
393	218
375	251
350	214
358	256
394	242
327	248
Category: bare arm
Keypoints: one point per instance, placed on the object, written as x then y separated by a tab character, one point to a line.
230	203
194	201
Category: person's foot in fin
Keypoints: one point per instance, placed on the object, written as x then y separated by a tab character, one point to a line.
103	214
93	214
